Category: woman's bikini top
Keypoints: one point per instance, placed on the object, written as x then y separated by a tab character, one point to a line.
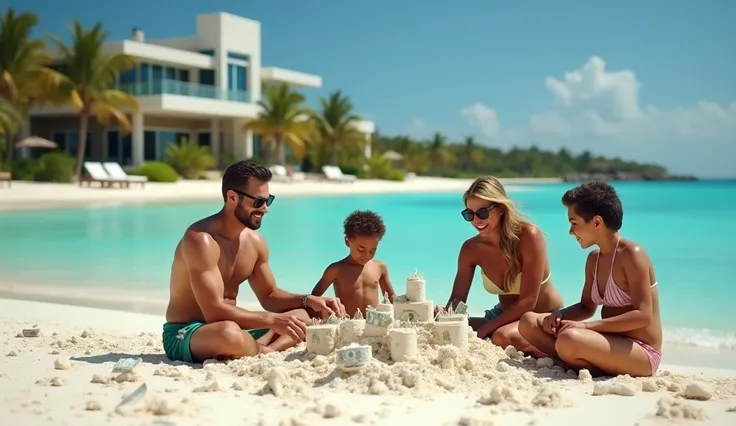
514	288
613	295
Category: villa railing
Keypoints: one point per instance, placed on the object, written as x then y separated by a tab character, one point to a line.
183	88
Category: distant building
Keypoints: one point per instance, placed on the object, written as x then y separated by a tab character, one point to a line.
202	87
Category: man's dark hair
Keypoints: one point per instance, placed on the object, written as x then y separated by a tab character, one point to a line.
237	175
596	199
364	223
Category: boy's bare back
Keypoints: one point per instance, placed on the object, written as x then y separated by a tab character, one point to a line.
357	286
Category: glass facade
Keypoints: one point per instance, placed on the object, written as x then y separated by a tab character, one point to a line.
69	142
119	148
154	79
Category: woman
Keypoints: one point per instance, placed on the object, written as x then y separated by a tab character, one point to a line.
510	252
619	275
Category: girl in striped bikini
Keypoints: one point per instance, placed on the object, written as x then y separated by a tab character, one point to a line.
619	277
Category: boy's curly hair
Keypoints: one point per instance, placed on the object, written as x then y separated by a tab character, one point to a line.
364	223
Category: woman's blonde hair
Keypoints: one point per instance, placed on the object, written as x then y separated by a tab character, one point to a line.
512	222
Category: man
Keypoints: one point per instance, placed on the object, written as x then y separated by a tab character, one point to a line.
215	255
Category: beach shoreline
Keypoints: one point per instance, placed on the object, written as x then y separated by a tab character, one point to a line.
64	377
26	196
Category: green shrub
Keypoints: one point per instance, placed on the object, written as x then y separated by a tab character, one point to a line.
55	167
381	168
353	169
24	168
157	171
189	159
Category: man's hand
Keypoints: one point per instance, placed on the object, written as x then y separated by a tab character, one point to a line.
551	323
330	305
289	325
566	325
439	310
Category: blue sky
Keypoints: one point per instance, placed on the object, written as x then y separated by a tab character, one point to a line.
659	84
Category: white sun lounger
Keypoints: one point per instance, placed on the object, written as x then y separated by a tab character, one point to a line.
97	173
116	172
334	173
282	175
279	173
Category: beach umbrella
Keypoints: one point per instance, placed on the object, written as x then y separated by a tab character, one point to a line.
36	142
392	155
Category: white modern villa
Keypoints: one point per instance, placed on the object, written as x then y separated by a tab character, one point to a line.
203	87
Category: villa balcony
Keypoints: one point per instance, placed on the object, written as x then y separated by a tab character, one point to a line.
183	88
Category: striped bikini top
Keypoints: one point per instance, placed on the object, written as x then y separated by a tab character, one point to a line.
613	295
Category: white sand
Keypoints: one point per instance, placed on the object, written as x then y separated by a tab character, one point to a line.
48	380
30	195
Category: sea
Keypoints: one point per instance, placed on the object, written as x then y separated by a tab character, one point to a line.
687	228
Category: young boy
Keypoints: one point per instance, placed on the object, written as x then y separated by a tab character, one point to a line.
357	278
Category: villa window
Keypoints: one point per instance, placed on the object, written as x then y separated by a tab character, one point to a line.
204	138
207	77
60	139
149	145
127	150
113	146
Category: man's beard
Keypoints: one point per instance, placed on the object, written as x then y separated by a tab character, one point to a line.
247	220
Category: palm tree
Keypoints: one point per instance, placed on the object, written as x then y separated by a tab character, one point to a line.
10	120
336	123
472	156
90	76
25	80
283	119
439	156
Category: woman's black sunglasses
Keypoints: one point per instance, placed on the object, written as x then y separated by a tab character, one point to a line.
482	213
258	202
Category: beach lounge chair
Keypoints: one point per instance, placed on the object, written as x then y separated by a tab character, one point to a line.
282	174
5	177
335	174
279	173
117	172
97	173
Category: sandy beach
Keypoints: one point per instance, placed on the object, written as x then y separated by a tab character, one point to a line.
39	196
64	376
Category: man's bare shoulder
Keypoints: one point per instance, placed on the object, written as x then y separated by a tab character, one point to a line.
254	239
198	244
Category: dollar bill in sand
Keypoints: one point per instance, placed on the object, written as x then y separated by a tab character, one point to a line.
378	318
353	357
461	308
126	365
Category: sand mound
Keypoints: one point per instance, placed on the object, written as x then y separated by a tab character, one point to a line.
496	380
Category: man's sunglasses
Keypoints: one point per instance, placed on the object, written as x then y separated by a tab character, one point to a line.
482	213
258	202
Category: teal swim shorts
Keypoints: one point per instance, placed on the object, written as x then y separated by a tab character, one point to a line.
177	336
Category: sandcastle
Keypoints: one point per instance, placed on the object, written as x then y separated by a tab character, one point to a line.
321	338
414	306
399	322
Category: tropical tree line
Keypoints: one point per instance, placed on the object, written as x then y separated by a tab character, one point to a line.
83	76
441	157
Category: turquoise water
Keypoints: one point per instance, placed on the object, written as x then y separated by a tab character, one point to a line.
685	227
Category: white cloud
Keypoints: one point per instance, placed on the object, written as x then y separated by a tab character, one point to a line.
483	119
418	128
599	110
